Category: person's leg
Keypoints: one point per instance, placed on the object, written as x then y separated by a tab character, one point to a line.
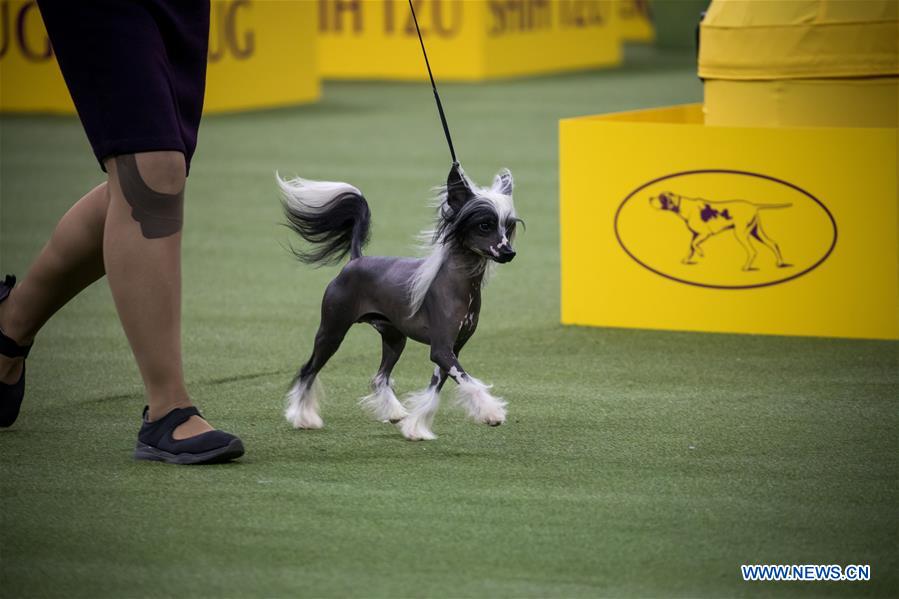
144	275
70	261
142	254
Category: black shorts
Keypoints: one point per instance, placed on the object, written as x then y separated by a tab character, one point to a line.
136	70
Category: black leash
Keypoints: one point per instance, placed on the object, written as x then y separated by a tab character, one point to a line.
449	139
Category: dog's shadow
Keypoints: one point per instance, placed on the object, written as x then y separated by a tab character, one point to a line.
388	447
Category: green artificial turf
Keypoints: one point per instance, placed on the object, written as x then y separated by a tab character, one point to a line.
634	463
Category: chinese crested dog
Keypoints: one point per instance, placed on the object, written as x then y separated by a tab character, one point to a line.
434	300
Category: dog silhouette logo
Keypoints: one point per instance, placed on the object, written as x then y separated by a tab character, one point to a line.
705	218
725	229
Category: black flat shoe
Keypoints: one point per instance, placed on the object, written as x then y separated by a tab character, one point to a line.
155	441
11	396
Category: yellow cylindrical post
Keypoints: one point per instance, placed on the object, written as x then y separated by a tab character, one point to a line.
815	63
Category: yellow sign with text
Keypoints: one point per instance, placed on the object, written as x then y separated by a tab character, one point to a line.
670	224
466	40
635	20
261	54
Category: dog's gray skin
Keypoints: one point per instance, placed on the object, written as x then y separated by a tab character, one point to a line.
705	218
376	289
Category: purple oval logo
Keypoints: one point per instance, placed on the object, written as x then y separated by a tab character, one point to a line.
725	229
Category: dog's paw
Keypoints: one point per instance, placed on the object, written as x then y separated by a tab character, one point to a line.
306	420
398	412
415	430
494	417
302	404
475	397
428	436
312	424
383	405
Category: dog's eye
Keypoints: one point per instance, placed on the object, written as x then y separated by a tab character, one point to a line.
485	227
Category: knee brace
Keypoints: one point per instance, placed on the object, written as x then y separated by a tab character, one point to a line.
159	214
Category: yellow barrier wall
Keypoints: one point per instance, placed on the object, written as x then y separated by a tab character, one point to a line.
638	188
30	80
261	54
466	40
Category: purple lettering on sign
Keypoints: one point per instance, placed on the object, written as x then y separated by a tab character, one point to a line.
440	17
331	15
518	16
31	50
228	40
582	13
5	33
442	26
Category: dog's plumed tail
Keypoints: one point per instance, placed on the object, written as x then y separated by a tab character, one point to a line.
333	217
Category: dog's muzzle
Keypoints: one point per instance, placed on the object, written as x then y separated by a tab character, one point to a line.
505	255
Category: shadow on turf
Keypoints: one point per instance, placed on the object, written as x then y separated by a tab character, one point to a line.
426	453
217	381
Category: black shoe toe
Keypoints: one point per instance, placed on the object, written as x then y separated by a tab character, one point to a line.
156	443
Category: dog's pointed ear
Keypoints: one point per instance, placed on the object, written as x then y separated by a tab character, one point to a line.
458	191
502	182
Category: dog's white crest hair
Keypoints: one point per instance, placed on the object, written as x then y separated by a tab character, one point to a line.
311	196
425	274
434	244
